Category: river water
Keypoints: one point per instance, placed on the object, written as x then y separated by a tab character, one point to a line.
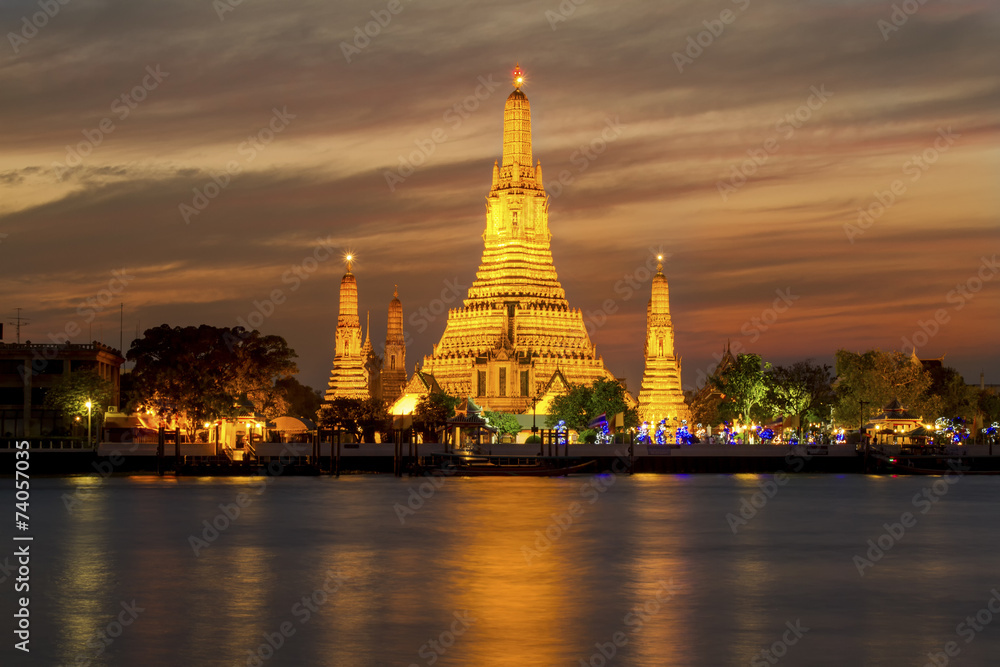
586	570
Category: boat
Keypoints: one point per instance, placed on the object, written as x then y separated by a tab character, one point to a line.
466	465
933	461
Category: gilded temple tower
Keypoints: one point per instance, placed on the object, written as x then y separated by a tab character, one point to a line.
661	395
394	359
515	332
348	378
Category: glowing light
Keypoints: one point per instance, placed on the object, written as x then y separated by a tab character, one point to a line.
518	76
88	404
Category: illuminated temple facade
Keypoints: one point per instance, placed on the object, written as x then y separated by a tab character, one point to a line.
349	377
661	396
515	337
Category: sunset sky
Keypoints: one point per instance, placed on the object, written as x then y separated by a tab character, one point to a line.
117	116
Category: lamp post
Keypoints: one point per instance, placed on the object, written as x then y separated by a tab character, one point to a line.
861	427
534	402
89	406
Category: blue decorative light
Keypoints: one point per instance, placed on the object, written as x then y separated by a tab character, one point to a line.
643	436
561	430
684	436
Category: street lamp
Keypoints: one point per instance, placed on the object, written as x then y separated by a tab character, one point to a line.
89	406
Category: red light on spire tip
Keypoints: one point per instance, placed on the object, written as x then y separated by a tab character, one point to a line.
518	76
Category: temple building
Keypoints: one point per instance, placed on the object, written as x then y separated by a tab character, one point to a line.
348	378
515	330
661	396
394	358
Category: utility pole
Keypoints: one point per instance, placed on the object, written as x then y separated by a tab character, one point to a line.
17	321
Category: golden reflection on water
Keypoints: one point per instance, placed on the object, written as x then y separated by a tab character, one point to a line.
89	575
525	612
660	576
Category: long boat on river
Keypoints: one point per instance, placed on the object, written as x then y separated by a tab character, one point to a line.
480	465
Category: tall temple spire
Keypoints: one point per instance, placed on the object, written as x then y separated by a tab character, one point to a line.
661	396
515	332
394	360
347	377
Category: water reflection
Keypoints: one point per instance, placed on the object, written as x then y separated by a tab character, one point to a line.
534	579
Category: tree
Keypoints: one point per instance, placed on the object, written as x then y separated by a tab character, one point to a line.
504	422
878	377
705	408
196	374
802	390
432	411
303	401
956	399
744	387
583	403
71	392
359	416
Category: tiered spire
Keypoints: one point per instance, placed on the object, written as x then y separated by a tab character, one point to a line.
394	362
661	395
516	328
347	377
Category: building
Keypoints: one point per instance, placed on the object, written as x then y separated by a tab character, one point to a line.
661	396
394	357
515	330
28	371
348	378
893	425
